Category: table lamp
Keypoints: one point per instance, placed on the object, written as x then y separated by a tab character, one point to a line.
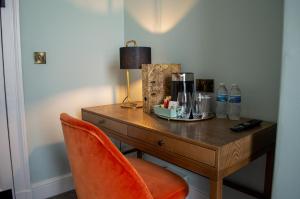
132	57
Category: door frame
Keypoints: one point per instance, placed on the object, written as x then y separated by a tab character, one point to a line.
6	179
15	99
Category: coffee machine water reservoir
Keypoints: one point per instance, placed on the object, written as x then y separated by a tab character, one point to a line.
181	82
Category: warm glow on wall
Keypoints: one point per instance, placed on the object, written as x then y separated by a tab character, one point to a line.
71	101
159	16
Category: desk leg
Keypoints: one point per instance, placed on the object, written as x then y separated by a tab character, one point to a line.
269	173
216	189
139	154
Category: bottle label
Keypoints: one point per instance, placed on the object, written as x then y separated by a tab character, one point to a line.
235	99
222	98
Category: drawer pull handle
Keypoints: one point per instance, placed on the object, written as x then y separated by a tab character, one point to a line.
101	121
160	142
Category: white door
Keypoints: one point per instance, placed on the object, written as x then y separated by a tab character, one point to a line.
6	181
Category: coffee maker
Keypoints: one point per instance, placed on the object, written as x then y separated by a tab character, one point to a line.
181	82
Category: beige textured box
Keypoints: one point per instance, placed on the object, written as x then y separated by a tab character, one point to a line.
157	83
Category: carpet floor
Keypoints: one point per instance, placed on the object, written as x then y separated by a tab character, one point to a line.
67	195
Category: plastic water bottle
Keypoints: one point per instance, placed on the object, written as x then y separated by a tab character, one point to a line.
222	97
234	106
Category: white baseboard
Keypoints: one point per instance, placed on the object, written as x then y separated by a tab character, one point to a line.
52	187
24	194
194	192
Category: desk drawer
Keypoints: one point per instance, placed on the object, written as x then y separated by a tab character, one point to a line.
105	122
195	152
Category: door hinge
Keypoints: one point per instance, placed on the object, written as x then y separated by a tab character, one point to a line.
2	3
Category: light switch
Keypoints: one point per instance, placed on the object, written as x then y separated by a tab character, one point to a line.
40	57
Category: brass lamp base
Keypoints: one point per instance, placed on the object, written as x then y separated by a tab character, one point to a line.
127	103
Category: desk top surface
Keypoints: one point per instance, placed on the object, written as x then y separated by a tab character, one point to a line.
213	132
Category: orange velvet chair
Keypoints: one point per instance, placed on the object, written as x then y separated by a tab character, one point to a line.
100	171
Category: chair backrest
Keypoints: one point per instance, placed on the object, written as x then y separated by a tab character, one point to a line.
99	169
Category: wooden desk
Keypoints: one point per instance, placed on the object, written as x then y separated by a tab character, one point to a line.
207	148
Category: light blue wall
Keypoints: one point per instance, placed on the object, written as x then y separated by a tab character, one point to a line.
231	41
287	163
82	40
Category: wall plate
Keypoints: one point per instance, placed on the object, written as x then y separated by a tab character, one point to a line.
40	57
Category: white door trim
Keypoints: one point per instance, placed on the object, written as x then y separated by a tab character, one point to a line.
15	99
6	181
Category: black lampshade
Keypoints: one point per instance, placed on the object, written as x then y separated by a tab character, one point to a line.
134	57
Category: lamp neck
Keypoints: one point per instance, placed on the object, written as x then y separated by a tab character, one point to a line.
128	85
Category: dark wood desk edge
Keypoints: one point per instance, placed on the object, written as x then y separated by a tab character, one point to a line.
271	129
169	134
199	143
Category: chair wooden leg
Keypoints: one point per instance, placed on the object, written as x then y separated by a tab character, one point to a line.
216	188
269	173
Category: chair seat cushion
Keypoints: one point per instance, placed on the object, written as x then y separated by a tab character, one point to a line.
162	183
